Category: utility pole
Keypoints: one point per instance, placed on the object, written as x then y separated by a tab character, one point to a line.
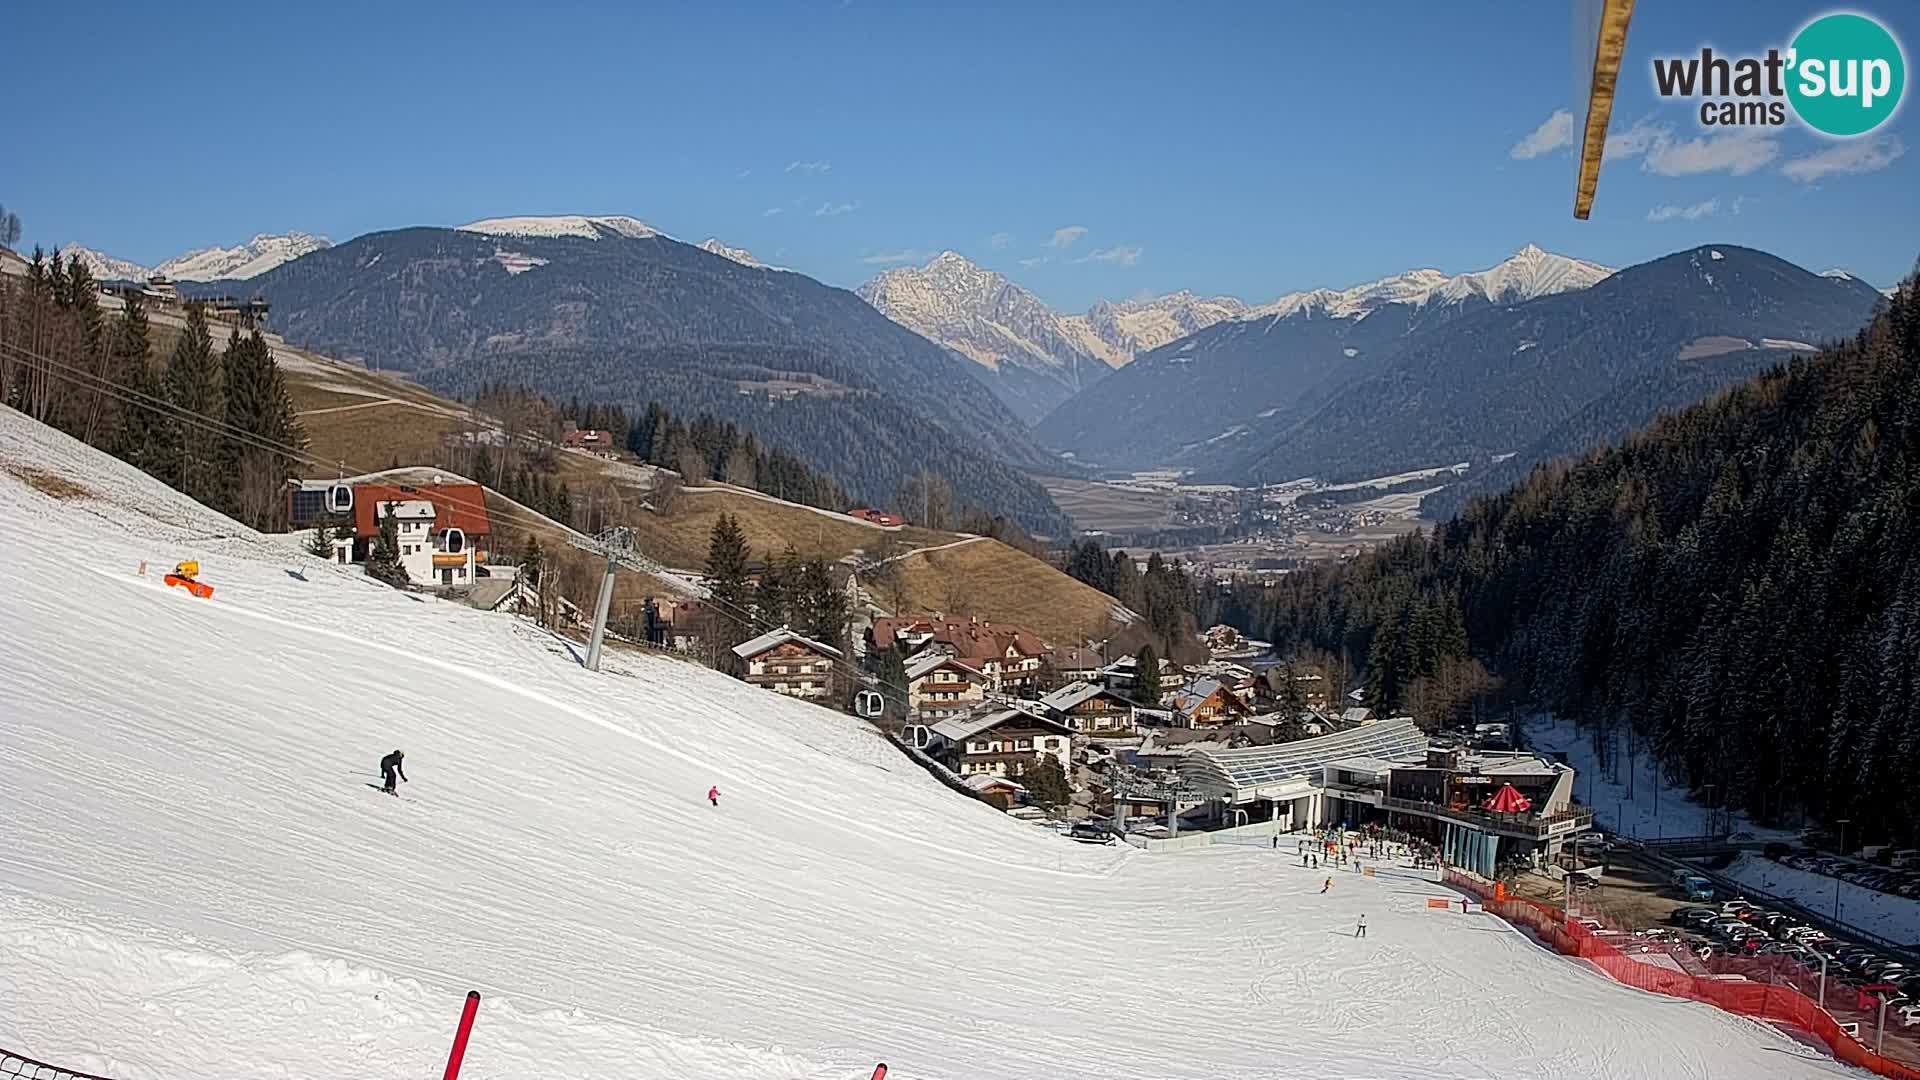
616	546
1836	881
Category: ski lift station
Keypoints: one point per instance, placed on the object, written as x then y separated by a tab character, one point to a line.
1479	807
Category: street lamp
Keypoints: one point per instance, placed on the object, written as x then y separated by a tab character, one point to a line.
1709	808
1836	881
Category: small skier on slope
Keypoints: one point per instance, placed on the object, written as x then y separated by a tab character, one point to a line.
390	768
713	794
1361	930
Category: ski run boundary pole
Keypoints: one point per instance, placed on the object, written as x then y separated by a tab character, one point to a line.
460	1036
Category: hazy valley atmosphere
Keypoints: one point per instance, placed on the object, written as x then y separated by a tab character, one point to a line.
538	556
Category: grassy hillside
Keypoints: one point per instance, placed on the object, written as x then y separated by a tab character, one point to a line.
370	420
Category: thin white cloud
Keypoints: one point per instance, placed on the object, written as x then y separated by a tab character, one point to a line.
896	258
1671	212
811	168
1553	133
1740	202
1066	236
1118	255
1037	260
1845	159
1736	152
772	211
1000	241
743	174
831	209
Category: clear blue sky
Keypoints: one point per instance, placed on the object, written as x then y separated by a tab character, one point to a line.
1245	148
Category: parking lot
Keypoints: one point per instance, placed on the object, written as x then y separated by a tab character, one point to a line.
1635	899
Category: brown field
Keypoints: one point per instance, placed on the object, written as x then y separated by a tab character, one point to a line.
680	538
1104	507
991	580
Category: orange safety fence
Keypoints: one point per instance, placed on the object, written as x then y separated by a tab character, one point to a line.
1765	1001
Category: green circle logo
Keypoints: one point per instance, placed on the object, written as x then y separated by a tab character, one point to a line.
1847	74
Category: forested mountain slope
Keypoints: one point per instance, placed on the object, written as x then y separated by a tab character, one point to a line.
1738	583
607	304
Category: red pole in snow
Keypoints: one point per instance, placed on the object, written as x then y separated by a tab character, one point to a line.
880	1071
460	1036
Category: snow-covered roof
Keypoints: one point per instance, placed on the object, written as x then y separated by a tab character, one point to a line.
932	661
985	781
1073	694
1356	715
961	728
781	636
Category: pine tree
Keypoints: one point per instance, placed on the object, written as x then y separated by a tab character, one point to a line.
383	555
773	598
260	463
728	591
138	428
320	542
1147	681
825	615
1046	782
190	456
890	670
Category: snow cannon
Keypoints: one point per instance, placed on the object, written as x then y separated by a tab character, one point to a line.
185	576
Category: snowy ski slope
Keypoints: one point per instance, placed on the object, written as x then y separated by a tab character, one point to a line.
195	880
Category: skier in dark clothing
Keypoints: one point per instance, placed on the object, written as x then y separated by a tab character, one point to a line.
390	768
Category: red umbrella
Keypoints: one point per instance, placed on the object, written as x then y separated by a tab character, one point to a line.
1508	800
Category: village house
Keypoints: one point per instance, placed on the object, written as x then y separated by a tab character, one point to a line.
442	529
877	517
1009	656
1207	703
592	440
787	663
1078	664
940	687
1006	741
1093	710
1122	677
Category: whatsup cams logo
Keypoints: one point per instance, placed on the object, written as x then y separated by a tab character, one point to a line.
1842	75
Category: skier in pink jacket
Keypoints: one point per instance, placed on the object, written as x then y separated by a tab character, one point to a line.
713	794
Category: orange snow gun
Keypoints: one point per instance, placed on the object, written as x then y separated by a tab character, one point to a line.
184	577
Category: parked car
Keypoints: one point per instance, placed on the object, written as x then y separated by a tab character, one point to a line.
1909	1016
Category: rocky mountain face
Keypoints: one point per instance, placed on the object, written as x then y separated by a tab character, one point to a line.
1033	357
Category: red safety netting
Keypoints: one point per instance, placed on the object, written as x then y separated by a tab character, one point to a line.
1778	999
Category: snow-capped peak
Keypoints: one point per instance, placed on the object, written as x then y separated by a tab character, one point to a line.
105	267
1837	274
251	259
588	227
1527	274
742	256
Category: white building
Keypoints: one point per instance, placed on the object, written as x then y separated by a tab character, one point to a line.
413	522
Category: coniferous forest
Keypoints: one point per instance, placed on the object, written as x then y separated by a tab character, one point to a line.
1735	589
215	423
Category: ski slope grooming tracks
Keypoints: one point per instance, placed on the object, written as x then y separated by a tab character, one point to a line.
196	881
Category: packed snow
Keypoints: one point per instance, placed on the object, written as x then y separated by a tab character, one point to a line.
591	228
1888	915
197	879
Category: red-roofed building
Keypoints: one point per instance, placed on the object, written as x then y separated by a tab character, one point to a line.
443	528
592	440
1009	656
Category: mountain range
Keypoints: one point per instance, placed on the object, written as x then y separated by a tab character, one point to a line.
610	309
1033	357
1210	387
248	260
